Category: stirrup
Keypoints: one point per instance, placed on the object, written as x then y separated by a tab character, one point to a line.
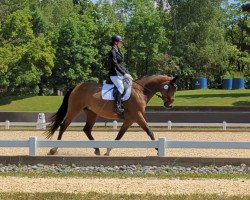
119	110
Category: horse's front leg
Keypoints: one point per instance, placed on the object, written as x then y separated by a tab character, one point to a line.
126	124
91	118
143	124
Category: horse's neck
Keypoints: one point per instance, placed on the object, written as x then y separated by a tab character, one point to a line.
150	85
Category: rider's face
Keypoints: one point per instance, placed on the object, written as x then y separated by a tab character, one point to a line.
120	44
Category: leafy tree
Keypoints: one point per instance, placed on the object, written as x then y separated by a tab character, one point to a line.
7	7
27	58
108	24
74	53
191	38
17	28
198	39
237	35
147	41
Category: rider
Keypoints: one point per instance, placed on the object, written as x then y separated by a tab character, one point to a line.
117	71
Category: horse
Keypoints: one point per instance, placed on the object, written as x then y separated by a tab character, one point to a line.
87	97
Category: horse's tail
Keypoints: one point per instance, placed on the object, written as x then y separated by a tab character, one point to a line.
58	117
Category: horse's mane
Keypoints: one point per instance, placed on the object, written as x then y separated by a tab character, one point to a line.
149	76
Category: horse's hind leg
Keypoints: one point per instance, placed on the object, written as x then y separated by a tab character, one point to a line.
126	124
91	118
63	127
68	119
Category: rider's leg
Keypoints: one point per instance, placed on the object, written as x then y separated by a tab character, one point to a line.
118	102
118	81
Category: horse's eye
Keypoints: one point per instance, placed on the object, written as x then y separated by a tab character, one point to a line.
166	87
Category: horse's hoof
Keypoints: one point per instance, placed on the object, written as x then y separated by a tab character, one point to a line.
53	151
108	152
97	152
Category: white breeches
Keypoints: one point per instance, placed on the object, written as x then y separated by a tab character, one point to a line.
118	81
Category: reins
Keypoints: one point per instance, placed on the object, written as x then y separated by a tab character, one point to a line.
159	96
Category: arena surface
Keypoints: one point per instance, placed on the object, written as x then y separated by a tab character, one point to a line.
110	135
127	186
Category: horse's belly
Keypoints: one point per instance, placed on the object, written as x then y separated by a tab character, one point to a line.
105	110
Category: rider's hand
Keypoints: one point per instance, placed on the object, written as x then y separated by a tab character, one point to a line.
128	76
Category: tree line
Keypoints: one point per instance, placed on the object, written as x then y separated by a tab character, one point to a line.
48	45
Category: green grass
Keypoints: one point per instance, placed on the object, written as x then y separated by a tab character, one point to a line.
208	98
121	175
183	98
109	196
31	103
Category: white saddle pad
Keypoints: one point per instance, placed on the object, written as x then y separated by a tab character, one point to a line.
107	92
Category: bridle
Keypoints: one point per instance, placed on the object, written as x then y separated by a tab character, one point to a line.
162	97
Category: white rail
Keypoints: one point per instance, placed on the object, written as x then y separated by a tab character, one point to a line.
224	125
162	144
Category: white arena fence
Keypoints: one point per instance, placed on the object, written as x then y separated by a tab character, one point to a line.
169	125
162	144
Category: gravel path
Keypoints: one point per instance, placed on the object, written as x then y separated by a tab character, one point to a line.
129	185
110	135
132	169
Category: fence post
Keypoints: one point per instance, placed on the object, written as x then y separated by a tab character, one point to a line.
115	125
33	146
161	147
41	122
169	125
224	124
7	124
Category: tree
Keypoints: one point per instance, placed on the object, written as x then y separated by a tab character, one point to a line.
74	53
198	39
147	41
237	21
7	7
27	57
108	24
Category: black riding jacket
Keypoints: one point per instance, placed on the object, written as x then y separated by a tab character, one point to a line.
115	64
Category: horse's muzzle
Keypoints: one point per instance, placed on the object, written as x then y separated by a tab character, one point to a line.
168	103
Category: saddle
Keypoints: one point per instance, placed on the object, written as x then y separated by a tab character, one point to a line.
108	90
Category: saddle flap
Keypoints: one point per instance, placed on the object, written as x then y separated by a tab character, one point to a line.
108	91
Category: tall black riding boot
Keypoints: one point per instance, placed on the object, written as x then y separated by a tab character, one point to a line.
118	103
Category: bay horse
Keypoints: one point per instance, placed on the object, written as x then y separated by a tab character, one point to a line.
87	97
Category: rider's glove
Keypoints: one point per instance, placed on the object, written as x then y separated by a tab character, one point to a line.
128	76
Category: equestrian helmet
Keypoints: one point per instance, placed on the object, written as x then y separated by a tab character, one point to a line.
116	38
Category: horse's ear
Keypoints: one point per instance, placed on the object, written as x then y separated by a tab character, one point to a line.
174	79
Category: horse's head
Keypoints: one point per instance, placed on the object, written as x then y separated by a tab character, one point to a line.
167	90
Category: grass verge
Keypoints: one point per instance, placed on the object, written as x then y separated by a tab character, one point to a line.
109	196
123	175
